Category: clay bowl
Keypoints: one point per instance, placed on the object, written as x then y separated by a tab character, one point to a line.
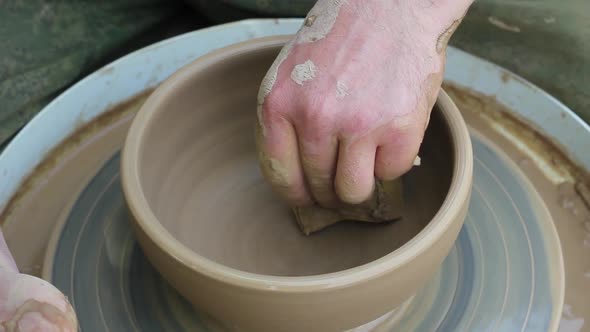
213	228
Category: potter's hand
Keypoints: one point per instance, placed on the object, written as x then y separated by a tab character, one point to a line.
350	96
28	303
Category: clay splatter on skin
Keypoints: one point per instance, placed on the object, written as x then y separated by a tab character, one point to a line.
279	174
269	80
319	21
341	89
309	20
443	39
272	168
303	72
417	161
271	76
317	25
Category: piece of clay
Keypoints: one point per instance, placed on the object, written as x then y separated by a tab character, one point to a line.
385	205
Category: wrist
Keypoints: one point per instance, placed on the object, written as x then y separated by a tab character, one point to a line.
431	22
429	16
402	23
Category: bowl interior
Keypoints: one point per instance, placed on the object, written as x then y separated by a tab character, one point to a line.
200	176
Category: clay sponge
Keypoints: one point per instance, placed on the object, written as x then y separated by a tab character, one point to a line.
385	205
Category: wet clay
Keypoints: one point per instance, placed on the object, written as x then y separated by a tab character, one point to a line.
205	215
316	26
385	205
30	218
80	157
341	89
531	144
303	72
559	180
53	185
201	176
443	39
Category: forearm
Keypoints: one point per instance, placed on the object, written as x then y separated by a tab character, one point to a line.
430	19
440	18
440	11
436	12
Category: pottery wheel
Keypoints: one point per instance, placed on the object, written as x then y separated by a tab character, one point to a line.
505	272
97	263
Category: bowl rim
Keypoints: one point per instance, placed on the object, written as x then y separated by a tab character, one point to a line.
457	195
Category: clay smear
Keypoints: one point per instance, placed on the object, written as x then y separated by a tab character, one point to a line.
319	21
443	38
303	72
271	76
317	25
341	89
278	174
268	82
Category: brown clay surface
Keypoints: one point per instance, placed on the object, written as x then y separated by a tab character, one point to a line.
559	181
31	215
200	175
385	205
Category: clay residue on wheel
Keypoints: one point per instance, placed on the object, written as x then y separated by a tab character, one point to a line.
79	136
541	150
561	182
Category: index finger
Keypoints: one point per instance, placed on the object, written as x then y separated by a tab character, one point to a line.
280	162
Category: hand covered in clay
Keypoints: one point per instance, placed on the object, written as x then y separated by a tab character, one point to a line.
349	97
30	304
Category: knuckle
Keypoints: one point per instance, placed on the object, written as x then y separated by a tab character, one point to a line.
276	100
275	109
315	113
359	122
315	124
404	130
272	106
